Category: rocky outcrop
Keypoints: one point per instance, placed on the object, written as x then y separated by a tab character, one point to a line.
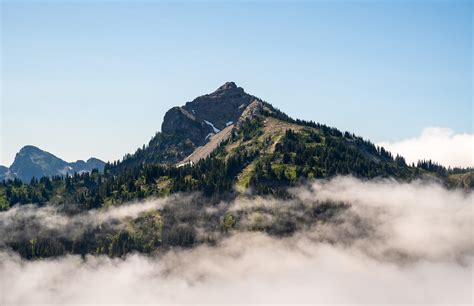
250	111
221	107
206	150
216	110
181	124
197	121
186	128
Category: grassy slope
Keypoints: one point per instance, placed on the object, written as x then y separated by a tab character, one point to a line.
270	133
462	180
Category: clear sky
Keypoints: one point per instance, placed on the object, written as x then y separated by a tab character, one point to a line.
93	78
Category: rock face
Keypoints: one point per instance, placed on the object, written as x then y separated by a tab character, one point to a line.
207	114
186	128
224	105
215	140
31	161
181	124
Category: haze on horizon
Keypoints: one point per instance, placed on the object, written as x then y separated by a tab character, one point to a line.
95	78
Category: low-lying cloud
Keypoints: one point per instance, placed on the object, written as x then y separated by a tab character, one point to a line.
438	144
28	221
395	243
420	219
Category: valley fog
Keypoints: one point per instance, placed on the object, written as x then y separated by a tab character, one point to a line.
395	243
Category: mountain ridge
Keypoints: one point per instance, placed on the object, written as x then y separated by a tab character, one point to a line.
188	136
262	152
32	161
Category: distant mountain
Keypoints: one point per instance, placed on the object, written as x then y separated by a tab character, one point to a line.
31	161
3	170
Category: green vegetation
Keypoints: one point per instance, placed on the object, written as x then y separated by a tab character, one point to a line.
250	158
316	154
142	234
183	222
265	155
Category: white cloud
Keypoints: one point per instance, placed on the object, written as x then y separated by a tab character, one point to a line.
438	144
398	243
246	268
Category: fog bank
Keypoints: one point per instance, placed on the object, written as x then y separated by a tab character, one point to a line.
396	243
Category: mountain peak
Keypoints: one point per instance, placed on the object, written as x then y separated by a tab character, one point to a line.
227	90
208	113
29	149
185	128
227	86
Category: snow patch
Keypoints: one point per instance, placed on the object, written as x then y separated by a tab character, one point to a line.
216	130
190	163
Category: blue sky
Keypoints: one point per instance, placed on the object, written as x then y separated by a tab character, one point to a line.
92	78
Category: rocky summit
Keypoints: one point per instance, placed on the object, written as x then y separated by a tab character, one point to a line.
186	128
208	114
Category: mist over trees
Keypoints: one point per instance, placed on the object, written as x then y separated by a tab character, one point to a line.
267	155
